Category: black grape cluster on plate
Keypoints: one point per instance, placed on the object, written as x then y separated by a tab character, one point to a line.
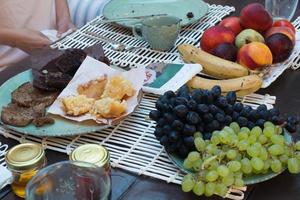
179	116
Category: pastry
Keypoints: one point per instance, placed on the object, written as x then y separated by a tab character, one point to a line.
94	88
77	105
109	108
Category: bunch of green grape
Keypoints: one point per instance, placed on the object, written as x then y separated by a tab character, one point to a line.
234	153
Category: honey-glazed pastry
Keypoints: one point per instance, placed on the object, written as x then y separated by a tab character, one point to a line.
109	108
118	88
77	105
94	88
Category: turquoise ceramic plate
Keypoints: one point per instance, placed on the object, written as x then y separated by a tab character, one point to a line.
61	127
248	180
133	8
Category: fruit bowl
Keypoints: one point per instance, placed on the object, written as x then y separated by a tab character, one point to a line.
258	178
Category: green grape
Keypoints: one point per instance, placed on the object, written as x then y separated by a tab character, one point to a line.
238	157
276	166
253	151
233	142
235	126
262	139
293	165
223	171
257	145
242	135
197	165
278	130
234	166
229	130
246	166
209	189
211	176
215	139
198	134
188	176
257	163
276	149
215	132
187	184
245	129
188	164
228	180
256	131
221	189
269	124
263	154
278	139
284	158
199	188
213	165
238	182
297	155
211	149
231	154
252	139
297	146
242	145
200	144
193	156
224	137
268	131
267	165
238	174
288	151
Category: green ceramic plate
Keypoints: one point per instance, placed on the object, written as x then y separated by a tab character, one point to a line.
134	8
61	127
248	180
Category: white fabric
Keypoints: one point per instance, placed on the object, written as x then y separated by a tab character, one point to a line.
6	177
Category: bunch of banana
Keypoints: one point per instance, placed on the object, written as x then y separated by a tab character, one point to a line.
234	77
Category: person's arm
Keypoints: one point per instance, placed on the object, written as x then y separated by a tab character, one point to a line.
63	17
25	39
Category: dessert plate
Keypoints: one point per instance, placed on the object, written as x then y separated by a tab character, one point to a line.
247	180
61	127
188	11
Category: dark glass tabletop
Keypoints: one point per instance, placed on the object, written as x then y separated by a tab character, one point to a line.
128	186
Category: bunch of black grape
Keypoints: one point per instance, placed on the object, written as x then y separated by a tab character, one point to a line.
179	116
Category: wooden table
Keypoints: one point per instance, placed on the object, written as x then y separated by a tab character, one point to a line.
128	186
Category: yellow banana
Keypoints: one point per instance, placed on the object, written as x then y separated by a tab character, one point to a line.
212	65
242	85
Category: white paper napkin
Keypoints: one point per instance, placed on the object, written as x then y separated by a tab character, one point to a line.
52	34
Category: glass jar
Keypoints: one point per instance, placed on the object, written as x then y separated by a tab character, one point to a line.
99	156
24	161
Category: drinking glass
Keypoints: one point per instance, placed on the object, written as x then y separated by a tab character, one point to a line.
281	9
70	181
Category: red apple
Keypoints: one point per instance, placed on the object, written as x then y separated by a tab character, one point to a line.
284	23
233	23
214	36
255	16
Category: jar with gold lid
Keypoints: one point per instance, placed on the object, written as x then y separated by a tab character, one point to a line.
24	161
99	156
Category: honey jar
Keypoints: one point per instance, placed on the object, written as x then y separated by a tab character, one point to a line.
24	161
99	156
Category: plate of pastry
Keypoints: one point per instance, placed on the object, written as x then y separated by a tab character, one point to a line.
94	104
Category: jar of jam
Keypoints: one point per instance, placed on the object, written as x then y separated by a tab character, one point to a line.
99	156
24	161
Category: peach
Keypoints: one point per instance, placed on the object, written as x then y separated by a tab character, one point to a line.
255	55
233	23
284	23
255	16
284	30
214	36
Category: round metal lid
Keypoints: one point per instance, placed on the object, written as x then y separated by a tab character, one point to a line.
92	153
25	156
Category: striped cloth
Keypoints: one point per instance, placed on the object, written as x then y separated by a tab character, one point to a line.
83	11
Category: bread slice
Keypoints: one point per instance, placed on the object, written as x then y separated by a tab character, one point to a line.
109	108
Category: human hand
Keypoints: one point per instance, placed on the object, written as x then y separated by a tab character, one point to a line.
64	25
28	40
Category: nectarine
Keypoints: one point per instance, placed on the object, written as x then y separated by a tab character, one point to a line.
226	51
254	55
255	16
284	23
284	30
233	23
214	36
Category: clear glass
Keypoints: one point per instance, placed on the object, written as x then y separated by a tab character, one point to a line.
281	9
70	181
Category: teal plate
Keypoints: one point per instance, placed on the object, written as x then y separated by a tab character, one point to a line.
61	127
134	8
248	180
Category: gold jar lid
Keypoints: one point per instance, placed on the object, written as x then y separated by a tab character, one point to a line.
91	153
25	156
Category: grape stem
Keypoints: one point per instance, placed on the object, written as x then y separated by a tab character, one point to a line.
207	161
